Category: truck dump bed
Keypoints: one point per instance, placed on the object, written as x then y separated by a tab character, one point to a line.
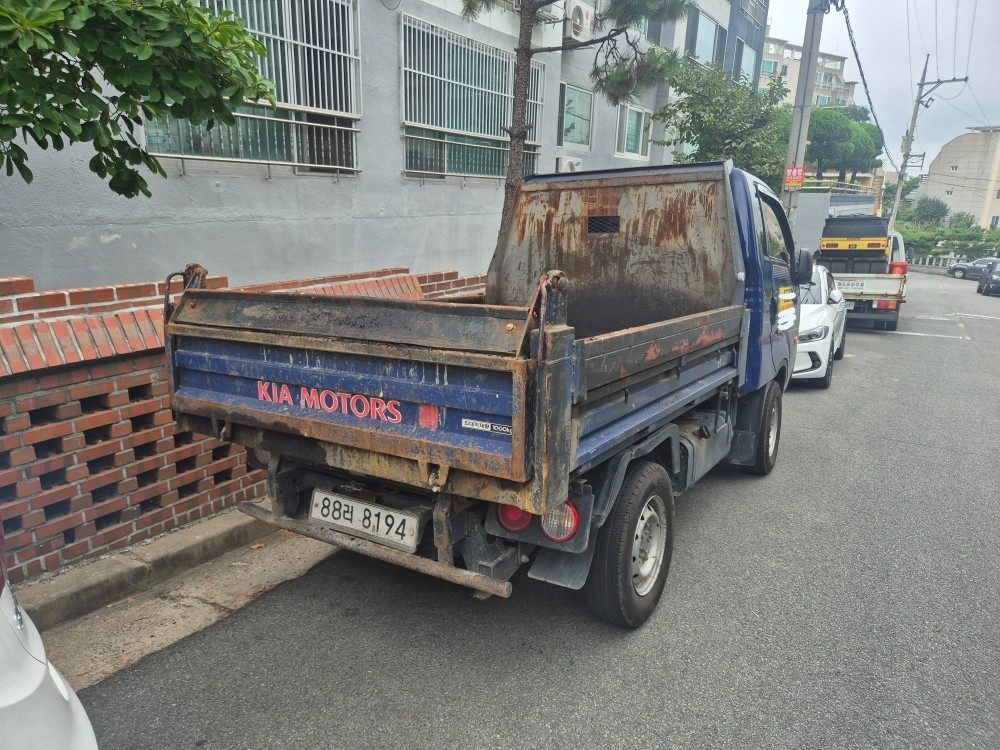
500	402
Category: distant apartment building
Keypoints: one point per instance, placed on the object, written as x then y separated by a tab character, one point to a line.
387	148
783	59
966	175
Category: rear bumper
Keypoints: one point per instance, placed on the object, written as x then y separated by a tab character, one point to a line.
442	570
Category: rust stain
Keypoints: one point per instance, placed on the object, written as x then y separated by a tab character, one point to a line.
709	336
681	347
653	352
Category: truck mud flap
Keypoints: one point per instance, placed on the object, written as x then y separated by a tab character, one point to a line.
463	577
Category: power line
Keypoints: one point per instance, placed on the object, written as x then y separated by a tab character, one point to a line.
937	48
864	81
973	92
972	33
954	44
909	45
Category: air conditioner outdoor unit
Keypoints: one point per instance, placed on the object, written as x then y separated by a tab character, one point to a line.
568	164
579	22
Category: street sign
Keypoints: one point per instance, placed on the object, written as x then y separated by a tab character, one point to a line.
793	178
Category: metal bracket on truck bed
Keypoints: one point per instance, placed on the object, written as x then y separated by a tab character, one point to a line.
440	570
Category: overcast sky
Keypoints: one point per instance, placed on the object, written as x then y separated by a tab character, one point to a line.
893	52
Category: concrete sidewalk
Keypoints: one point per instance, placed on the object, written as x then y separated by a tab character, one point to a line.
90	586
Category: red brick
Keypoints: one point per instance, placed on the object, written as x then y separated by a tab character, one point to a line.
10	285
16	423
6	306
128	485
162	417
103	479
41	301
137	409
72	443
121	429
84	338
29	347
117	334
124	382
72	551
135	291
20	456
66	341
96	419
91	295
108	506
113	367
81	502
102	342
129	515
110	535
41	401
50	349
124	457
47	432
33	568
151	333
68	411
77	472
49	464
58	525
28	487
89	390
32	519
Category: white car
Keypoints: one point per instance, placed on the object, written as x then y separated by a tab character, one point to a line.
822	329
38	708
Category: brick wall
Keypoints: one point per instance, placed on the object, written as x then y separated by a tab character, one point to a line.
91	460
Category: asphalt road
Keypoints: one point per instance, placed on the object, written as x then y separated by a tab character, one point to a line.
848	600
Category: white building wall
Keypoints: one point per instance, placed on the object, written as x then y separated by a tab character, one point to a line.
966	176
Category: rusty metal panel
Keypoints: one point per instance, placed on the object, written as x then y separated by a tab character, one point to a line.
638	248
614	356
438	325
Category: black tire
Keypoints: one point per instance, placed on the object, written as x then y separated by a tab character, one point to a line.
959	274
617	592
839	354
891	325
827	380
767	445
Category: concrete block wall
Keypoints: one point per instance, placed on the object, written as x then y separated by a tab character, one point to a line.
91	460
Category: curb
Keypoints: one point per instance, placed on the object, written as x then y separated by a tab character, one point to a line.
81	590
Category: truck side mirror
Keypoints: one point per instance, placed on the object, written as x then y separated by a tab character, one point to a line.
804	268
836	297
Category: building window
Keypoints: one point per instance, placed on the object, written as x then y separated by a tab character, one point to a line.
998	195
954	168
784	71
768	67
995	222
575	113
313	59
745	63
949	192
706	39
755	11
822	100
633	132
458	97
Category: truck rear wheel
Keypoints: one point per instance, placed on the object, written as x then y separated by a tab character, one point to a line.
768	432
634	547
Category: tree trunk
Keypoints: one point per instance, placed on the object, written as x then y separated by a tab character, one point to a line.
518	127
820	168
842	177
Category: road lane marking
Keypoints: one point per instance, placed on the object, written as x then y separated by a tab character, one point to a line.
932	335
928	317
977	317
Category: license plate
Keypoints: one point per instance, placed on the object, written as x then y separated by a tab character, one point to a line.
850	304
388	526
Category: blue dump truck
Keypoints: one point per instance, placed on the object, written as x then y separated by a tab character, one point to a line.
638	329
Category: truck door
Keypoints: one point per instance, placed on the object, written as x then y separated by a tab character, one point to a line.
774	241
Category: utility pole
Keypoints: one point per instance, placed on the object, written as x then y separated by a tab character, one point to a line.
804	89
908	138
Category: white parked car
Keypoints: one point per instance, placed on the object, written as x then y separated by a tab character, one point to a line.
822	329
38	708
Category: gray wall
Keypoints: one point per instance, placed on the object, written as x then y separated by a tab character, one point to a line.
810	216
253	224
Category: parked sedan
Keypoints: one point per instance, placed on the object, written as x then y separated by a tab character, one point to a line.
38	708
989	281
822	330
970	269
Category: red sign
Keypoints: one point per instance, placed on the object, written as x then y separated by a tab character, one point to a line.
793	177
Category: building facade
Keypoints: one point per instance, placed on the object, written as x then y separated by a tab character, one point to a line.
387	147
966	176
783	59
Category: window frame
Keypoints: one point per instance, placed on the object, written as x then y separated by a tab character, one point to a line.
561	125
644	136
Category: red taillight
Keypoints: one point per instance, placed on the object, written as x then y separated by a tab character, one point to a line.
561	524
513	519
884	304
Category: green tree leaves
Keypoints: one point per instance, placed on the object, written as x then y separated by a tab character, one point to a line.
76	71
930	211
717	119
